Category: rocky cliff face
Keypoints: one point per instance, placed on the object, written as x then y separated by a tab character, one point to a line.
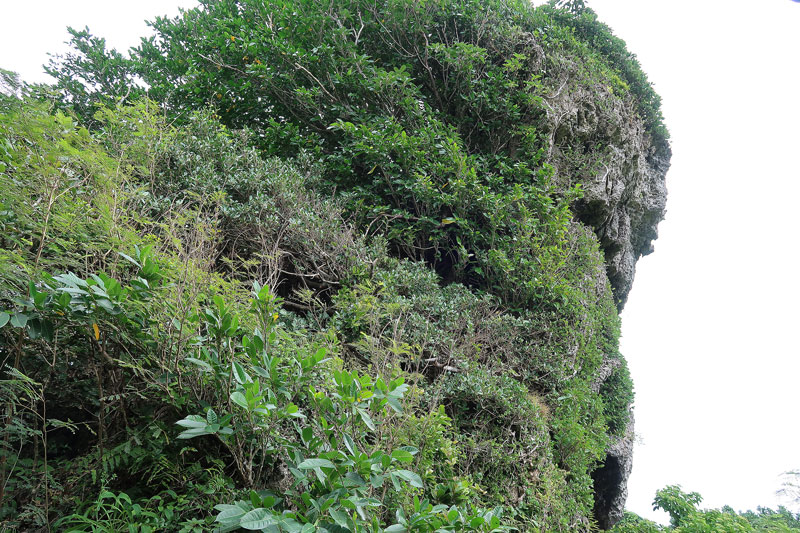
599	141
611	479
429	124
625	205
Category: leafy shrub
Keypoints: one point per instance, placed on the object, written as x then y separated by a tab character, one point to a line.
428	348
340	479
617	394
600	38
441	141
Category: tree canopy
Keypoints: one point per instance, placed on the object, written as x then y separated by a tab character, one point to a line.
305	266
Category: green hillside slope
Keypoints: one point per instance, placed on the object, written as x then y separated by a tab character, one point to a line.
345	266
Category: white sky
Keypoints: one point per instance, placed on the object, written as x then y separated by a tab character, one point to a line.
710	329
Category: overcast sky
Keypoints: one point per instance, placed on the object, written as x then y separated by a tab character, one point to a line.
711	326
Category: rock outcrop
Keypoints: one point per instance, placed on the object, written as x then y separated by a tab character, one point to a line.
611	479
625	204
599	141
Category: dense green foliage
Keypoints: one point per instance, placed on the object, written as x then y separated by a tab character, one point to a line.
317	276
685	517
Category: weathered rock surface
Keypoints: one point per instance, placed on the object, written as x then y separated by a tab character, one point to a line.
625	204
611	479
599	141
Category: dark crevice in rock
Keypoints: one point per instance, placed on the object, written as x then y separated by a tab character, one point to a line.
607	481
611	479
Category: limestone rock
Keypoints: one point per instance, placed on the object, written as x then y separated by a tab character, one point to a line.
611	479
599	141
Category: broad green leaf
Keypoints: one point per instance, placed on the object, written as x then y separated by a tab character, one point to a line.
241	376
394	404
269	501
307	434
349	504
74	290
398	391
452	515
339	517
257	519
309	464
349	444
239	399
106	304
353	479
229	512
367	419
289	525
19	320
47	330
194	432
403	456
130	259
320	355
4	317
326	505
34	328
409	476
294	411
234	326
192	421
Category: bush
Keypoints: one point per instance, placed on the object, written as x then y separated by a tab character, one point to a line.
429	344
